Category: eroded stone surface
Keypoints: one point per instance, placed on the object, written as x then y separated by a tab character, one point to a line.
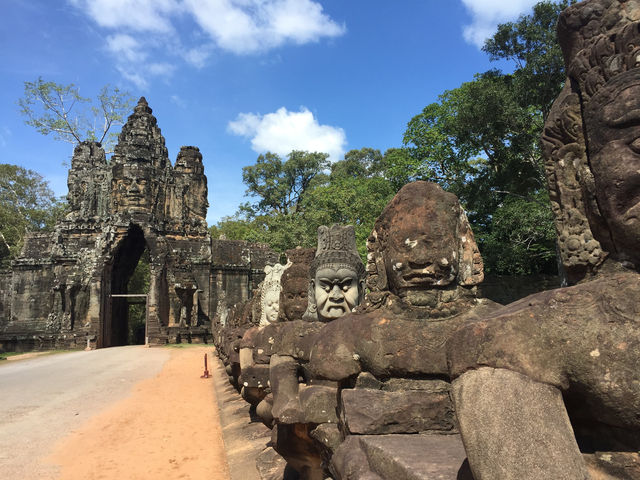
575	342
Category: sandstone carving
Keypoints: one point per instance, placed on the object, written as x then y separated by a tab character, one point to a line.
548	387
390	357
270	293
255	347
118	209
336	287
294	296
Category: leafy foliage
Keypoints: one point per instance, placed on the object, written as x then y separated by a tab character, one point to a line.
292	201
26	204
479	141
138	283
60	110
281	186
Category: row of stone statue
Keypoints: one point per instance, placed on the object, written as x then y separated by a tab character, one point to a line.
547	387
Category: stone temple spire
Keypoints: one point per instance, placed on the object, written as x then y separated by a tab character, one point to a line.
141	140
140	166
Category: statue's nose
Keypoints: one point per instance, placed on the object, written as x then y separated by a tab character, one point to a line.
336	293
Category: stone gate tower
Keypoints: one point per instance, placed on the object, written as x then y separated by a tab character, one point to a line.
68	288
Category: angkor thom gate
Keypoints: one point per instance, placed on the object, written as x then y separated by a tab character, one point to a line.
69	288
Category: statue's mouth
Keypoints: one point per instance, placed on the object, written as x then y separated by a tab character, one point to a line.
632	216
419	276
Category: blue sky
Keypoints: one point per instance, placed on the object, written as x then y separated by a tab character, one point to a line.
237	78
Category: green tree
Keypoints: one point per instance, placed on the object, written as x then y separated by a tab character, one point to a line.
280	186
356	193
52	108
530	43
288	208
481	141
26	204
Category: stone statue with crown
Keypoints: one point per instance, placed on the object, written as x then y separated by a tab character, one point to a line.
549	386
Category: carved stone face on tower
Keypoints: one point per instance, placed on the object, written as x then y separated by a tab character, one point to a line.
613	126
132	188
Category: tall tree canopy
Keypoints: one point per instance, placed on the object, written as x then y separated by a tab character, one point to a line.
52	108
292	198
26	204
479	141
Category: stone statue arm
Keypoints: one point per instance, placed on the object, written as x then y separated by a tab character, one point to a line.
334	355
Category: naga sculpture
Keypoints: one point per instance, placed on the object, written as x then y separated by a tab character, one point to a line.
549	386
389	357
336	287
281	292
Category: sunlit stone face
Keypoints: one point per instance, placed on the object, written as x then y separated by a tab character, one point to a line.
271	306
337	292
132	189
420	250
614	150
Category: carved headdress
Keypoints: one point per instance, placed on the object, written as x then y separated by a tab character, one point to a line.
336	249
600	41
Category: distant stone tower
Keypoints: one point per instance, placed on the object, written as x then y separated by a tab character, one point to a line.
68	288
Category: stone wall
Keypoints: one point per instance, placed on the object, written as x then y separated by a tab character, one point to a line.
5	297
237	268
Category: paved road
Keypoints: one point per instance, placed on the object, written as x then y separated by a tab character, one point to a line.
43	399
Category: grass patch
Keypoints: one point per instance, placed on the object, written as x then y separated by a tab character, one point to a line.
34	353
5	355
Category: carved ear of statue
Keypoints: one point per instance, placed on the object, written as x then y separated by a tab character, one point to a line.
311	314
376	270
470	266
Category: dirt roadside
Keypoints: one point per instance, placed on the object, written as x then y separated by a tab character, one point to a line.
168	428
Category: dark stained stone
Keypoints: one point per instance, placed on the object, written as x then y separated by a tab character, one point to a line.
554	375
377	412
401	457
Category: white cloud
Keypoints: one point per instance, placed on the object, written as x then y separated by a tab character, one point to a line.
487	14
134	77
161	69
283	131
136	15
197	56
6	133
178	101
248	26
126	47
140	30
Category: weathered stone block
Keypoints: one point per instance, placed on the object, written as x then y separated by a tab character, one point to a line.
319	403
376	412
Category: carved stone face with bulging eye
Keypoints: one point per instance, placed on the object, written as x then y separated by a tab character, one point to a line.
337	292
420	248
614	156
